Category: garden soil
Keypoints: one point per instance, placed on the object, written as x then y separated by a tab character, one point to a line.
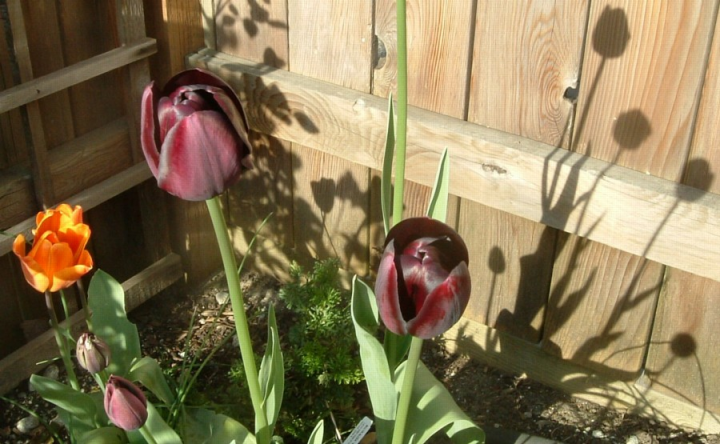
494	399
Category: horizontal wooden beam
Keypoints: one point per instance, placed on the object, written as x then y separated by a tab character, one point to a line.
87	199
72	75
629	210
23	362
512	354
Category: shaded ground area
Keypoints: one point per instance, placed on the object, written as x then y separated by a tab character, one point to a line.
492	398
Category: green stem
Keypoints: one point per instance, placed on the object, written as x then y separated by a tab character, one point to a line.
61	342
241	325
401	122
84	302
406	390
147	435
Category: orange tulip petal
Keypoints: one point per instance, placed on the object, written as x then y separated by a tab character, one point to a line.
34	274
19	246
68	276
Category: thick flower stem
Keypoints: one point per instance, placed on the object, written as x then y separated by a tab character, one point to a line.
241	325
61	342
406	390
147	435
401	122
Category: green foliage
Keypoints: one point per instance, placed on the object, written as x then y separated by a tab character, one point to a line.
322	359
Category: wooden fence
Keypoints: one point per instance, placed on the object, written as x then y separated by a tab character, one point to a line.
583	152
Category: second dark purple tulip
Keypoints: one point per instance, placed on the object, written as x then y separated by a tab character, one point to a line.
423	284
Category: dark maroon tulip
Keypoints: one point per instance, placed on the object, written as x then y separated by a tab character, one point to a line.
125	403
423	283
194	135
92	353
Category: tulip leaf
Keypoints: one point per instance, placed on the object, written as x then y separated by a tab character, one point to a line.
106	299
104	435
156	427
272	373
439	198
205	426
386	179
374	362
396	347
148	371
78	409
316	437
432	409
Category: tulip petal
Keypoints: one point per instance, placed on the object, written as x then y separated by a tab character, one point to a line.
149	137
199	158
386	293
32	271
444	305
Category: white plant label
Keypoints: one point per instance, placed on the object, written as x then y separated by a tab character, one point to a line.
360	431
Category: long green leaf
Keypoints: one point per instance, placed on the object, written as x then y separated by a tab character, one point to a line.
201	426
148	371
156	426
272	373
439	198
103	435
374	362
81	408
106	299
432	409
386	178
316	437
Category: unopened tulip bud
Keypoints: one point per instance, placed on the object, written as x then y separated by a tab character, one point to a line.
125	403
93	354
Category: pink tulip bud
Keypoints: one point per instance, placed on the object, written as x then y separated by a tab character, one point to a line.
194	135
92	353
125	403
423	283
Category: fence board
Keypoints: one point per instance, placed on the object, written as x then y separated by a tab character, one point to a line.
496	169
260	33
439	36
682	358
638	96
331	195
535	49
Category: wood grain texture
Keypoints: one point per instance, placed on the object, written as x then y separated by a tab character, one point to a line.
682	359
331	195
505	351
525	55
638	96
13	149
439	37
45	52
16	196
72	75
259	32
497	169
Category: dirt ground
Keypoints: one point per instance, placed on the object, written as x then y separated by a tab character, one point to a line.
495	400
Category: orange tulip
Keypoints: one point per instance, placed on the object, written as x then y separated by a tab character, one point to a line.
58	257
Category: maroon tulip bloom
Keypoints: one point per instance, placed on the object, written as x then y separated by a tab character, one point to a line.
423	283
125	403
194	135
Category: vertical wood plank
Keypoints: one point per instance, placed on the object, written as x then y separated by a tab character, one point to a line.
11	315
682	357
14	143
38	145
89	29
178	27
332	42
525	55
46	55
258	32
439	38
642	75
